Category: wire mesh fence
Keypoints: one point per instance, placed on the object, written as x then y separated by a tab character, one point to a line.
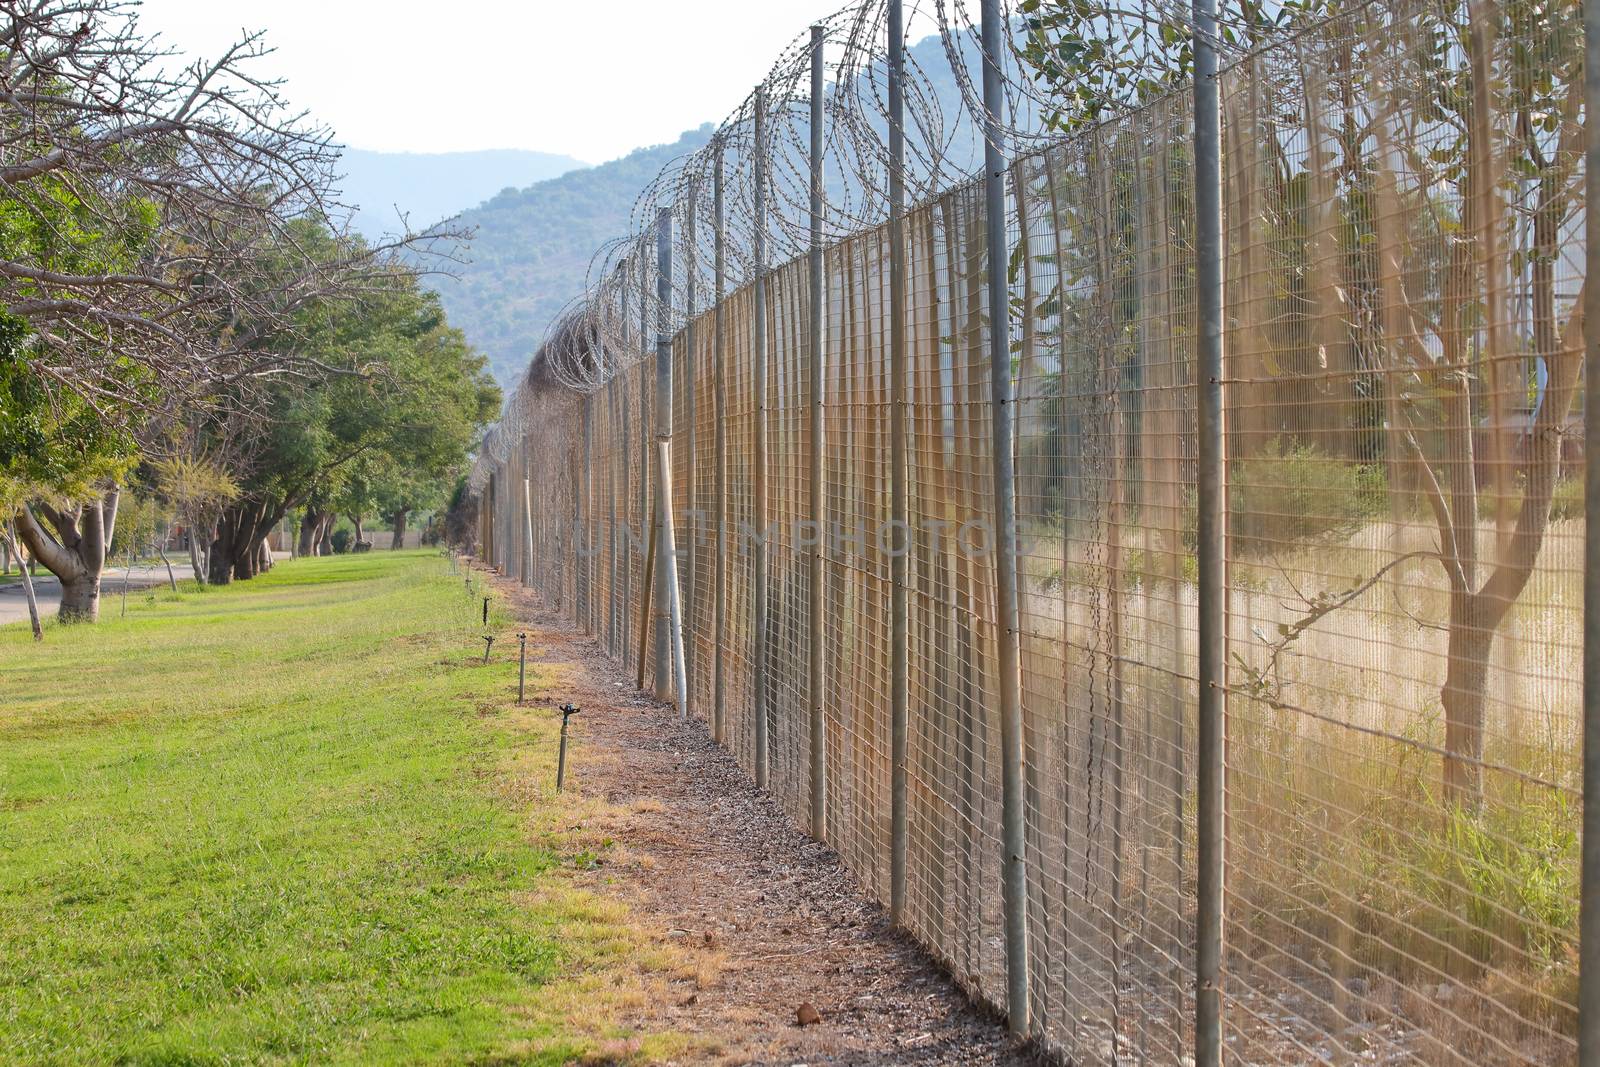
1403	255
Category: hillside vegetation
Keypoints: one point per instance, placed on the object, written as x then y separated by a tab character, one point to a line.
533	248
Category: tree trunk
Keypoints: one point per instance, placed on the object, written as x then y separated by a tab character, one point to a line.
235	552
220	560
74	550
361	533
161	550
325	535
309	522
1464	696
399	528
80	598
194	557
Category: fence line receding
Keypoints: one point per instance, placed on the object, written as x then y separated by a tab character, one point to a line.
1399	700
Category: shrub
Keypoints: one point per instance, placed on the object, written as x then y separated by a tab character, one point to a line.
341	541
1290	493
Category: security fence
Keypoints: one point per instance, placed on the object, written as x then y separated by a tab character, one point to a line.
1387	869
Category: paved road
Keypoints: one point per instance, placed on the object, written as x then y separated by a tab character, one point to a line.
14	604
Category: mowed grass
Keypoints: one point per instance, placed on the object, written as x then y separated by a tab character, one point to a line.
270	823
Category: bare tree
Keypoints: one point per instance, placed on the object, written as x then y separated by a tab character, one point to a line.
202	165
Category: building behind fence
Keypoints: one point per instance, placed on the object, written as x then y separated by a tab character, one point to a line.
1402	260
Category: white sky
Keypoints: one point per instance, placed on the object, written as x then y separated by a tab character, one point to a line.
576	77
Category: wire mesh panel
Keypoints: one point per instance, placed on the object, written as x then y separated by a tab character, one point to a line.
1104	438
1404	636
953	896
855	627
739	403
787	622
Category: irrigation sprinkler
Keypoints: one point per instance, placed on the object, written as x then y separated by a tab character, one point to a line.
522	664
488	643
568	710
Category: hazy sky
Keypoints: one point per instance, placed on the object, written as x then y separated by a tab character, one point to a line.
579	78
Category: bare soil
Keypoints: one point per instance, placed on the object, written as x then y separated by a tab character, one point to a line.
704	859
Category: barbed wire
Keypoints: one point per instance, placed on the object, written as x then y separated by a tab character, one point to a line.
614	323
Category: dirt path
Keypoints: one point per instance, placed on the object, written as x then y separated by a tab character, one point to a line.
702	857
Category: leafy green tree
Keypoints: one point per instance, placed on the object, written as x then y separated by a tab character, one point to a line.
403	392
60	462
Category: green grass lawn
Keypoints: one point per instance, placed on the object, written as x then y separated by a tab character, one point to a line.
269	823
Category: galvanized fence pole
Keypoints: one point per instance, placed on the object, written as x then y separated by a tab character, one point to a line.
1589	897
899	497
691	584
521	514
585	549
1211	531
527	531
647	515
669	545
611	516
814	688
488	526
1008	635
719	504
663	418
759	474
626	467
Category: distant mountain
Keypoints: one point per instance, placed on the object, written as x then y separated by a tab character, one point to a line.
429	187
533	248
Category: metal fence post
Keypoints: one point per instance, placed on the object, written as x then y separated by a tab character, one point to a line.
489	546
669	546
996	264
1589	896
623	474
663	418
521	513
759	474
611	516
814	688
899	498
527	531
585	548
720	496
690	592
625	467
1212	591
647	517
